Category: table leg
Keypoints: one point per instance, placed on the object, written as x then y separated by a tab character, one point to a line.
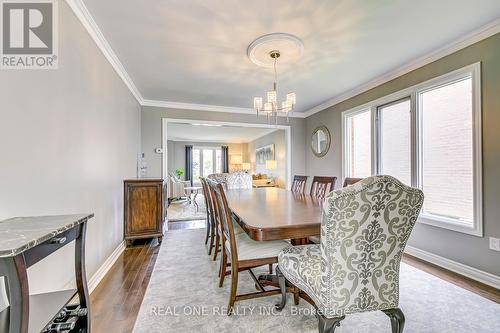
83	322
194	201
13	269
299	241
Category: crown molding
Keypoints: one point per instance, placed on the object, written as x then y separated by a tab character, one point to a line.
484	32
208	107
95	32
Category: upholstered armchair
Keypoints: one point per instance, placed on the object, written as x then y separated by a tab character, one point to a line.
355	268
239	180
176	186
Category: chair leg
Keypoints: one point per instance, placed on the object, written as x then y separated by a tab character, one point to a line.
216	250
211	245
212	238
270	269
296	296
328	325
209	227
234	287
397	319
282	283
222	270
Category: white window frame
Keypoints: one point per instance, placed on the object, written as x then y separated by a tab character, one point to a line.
345	148
214	154
472	71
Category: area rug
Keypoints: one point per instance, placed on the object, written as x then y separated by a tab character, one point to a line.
182	210
183	296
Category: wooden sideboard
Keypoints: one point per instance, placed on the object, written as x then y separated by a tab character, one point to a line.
144	208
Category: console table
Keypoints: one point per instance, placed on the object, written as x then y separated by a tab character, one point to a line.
24	241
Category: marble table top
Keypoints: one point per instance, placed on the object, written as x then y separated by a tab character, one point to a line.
19	234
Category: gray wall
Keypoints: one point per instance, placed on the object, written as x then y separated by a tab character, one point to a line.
469	250
151	122
278	138
68	138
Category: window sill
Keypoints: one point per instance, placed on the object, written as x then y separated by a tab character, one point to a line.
474	230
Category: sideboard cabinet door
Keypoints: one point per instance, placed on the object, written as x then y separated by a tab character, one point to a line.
144	208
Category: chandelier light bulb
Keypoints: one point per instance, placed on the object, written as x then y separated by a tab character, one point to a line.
271	96
268	107
291	99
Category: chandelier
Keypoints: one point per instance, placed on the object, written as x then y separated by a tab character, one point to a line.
272	106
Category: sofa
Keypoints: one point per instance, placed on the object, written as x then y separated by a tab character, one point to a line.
261	180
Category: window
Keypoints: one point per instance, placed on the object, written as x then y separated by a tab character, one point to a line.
205	162
218	161
395	140
427	136
358	144
447	173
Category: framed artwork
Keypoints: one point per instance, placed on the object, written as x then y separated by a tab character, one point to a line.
264	153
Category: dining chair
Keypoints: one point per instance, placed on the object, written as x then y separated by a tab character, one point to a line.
241	251
219	177
351	181
233	181
211	231
299	184
355	268
322	185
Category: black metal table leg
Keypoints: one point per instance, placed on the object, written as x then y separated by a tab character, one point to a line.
81	278
16	280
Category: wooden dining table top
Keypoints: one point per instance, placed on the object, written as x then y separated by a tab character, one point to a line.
273	213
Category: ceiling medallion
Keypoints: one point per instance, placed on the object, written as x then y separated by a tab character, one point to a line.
265	51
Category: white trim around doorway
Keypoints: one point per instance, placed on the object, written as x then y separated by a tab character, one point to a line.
286	128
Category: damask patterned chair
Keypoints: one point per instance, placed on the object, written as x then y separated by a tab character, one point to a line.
219	177
239	180
355	268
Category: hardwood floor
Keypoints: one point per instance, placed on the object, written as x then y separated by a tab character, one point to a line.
116	301
457	279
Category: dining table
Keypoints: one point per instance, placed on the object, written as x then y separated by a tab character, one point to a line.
273	213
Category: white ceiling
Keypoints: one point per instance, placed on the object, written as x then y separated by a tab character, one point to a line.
224	134
195	51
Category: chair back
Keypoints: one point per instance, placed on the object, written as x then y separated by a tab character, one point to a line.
321	186
351	181
218	177
299	184
239	180
208	199
223	218
364	230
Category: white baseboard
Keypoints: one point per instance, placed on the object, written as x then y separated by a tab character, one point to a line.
101	272
470	272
